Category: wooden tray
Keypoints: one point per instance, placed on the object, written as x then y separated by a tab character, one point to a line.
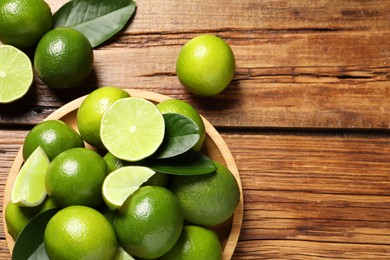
214	146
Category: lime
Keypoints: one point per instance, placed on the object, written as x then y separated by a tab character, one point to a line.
29	186
195	243
205	65
207	199
16	74
63	58
121	183
114	163
184	108
149	222
121	254
75	177
16	217
132	129
53	136
79	232
91	110
24	22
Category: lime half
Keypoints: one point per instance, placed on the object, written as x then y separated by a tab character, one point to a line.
29	186
16	74
121	183
132	129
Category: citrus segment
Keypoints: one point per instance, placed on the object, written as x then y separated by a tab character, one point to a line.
29	186
16	74
132	129
121	183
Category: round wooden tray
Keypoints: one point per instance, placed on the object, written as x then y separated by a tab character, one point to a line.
214	146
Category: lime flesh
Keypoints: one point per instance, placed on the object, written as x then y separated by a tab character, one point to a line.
132	129
121	183
29	186
16	74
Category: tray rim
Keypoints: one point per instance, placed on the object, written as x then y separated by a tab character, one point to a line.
211	132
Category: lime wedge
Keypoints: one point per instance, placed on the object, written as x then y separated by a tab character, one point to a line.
29	186
121	254
16	74
132	129
123	182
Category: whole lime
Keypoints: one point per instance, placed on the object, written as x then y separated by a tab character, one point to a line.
184	108
63	58
53	136
207	199
91	110
75	177
205	65
195	243
24	22
79	232
149	222
17	217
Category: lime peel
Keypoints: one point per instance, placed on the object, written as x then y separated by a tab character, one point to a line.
29	186
123	182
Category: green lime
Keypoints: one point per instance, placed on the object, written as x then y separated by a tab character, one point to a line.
75	177
207	199
16	74
53	136
114	163
63	58
29	186
79	232
91	110
184	108
205	65
16	217
121	183
24	22
132	129
149	222
195	243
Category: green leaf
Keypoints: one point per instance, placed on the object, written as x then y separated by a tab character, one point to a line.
98	20
181	134
29	244
189	163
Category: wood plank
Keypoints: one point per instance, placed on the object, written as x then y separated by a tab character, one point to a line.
305	195
303	68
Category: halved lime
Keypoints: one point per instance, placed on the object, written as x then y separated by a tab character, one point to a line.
132	129
29	186
16	74
121	183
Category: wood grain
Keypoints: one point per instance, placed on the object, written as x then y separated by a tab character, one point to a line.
306	195
306	116
290	59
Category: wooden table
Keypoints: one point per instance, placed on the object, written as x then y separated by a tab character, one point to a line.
307	116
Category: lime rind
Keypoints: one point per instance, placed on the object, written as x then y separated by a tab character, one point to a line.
16	74
29	186
132	129
123	182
